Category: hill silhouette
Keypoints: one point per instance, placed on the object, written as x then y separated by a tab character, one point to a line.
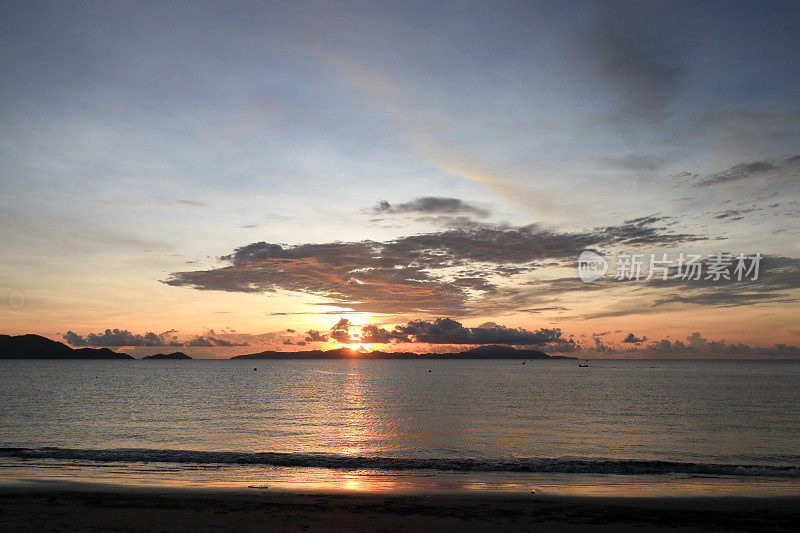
491	351
173	356
38	347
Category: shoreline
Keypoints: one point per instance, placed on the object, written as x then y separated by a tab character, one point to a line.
308	480
76	506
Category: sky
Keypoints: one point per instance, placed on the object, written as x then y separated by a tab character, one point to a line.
230	177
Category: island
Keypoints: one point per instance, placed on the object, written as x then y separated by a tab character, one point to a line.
491	351
170	356
38	347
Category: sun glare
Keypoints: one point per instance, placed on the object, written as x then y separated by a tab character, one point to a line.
359	347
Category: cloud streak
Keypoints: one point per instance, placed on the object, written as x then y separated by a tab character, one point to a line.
787	167
432	205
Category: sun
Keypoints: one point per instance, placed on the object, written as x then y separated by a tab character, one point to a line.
359	347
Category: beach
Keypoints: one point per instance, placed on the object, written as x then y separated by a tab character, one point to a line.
90	507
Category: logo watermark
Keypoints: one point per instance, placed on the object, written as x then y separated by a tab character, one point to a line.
591	266
643	267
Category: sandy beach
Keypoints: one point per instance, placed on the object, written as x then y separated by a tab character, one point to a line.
91	507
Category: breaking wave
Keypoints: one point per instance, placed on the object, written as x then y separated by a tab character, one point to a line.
333	461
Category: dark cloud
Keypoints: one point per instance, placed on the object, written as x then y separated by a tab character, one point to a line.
778	282
341	331
645	231
432	205
778	279
449	331
633	339
373	333
117	337
439	273
313	335
438	331
735	214
753	170
697	344
694	344
209	341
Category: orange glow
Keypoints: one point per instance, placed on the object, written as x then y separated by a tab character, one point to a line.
355	347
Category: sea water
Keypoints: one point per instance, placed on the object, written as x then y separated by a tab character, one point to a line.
616	427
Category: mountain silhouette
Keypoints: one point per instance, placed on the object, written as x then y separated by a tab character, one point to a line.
490	351
173	355
38	347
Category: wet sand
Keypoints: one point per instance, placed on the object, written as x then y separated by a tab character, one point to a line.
92	507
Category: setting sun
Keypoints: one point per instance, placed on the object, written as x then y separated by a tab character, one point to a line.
356	347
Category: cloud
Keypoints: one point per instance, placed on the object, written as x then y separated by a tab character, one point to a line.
372	333
442	272
778	282
778	278
210	341
449	331
697	344
644	230
439	331
735	214
313	335
789	166
445	331
431	205
694	344
341	331
117	337
633	339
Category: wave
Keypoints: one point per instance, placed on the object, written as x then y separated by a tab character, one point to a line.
333	461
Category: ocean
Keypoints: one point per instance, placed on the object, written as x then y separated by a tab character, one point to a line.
617	428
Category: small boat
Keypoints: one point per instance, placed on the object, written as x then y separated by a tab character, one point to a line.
583	365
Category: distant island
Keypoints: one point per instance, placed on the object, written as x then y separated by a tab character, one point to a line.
173	355
38	347
491	351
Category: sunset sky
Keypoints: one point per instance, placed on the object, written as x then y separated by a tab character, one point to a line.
232	177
